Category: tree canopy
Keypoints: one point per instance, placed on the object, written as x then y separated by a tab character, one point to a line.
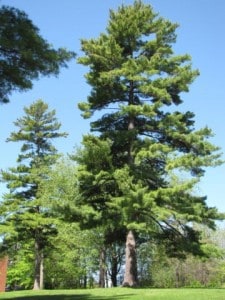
24	54
157	156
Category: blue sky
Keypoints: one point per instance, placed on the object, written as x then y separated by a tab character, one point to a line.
64	23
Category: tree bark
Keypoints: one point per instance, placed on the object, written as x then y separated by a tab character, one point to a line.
102	269
130	276
42	271
38	270
114	270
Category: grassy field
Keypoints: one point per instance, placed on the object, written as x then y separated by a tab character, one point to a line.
118	294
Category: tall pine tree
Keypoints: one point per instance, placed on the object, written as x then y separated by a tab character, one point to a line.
158	157
24	216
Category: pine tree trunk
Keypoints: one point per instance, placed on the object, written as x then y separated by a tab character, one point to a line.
85	282
102	269
114	271
38	270
130	276
42	271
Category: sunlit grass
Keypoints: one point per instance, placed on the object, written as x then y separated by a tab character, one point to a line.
118	294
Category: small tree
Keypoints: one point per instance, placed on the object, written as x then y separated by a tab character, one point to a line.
25	55
20	271
135	75
24	216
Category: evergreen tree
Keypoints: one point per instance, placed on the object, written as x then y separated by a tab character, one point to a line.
24	216
137	82
96	203
25	55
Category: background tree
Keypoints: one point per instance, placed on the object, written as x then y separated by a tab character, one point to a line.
24	216
134	73
194	271
24	54
97	190
20	271
61	192
72	261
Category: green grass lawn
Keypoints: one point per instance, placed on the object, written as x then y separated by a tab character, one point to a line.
118	294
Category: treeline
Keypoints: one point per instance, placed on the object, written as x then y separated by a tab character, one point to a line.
123	205
45	232
73	262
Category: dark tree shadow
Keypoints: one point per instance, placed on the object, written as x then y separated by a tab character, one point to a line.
71	297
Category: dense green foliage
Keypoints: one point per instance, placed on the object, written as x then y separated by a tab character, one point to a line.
158	270
24	54
24	216
73	259
20	273
155	157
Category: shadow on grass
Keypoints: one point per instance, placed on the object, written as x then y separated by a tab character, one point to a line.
71	297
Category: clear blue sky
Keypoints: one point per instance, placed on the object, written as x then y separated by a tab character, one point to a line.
64	23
